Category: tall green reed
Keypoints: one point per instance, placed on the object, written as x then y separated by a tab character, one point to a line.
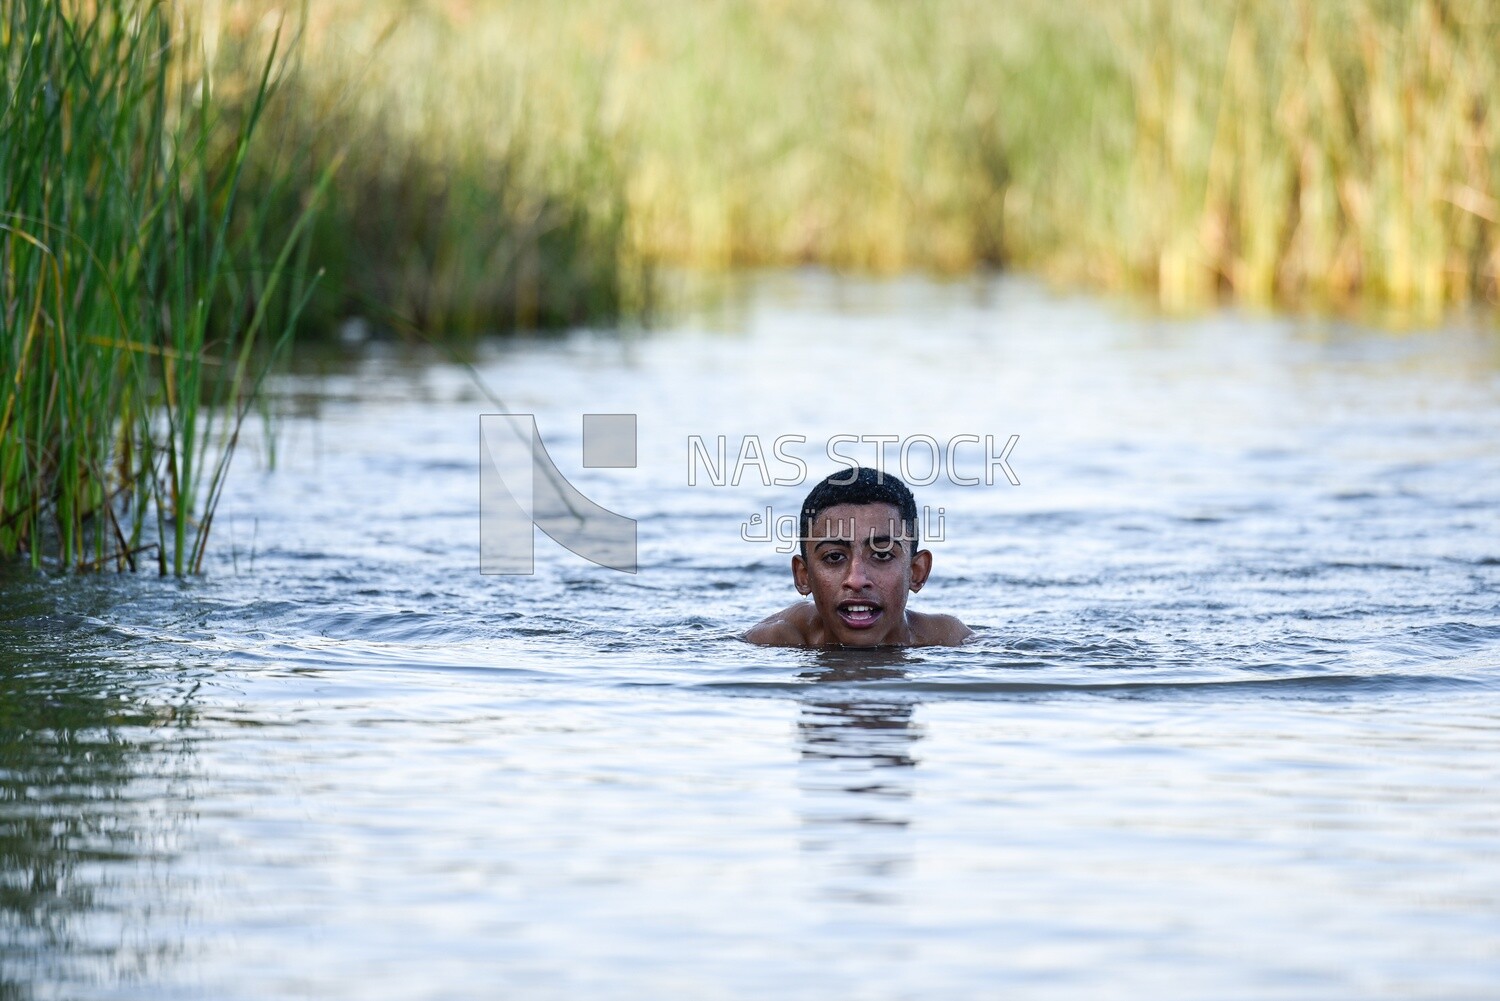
140	299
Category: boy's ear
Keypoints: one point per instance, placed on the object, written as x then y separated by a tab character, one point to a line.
799	575
921	566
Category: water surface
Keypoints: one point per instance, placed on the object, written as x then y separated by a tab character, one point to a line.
1229	730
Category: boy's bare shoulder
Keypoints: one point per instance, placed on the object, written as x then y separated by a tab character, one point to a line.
939	630
789	627
796	625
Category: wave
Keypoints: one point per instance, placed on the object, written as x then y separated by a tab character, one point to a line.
1294	686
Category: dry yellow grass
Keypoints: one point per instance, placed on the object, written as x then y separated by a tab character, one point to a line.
529	162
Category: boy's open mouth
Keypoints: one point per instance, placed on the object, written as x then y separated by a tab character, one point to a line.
859	614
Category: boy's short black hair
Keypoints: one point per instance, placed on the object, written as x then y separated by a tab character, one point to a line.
860	486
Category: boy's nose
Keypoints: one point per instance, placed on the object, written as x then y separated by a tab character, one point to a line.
856	578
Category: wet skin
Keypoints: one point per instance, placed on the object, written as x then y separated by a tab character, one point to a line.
859	568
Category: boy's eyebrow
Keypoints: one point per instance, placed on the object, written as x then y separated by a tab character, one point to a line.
881	541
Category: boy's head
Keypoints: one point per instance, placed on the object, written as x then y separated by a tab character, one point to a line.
859	486
859	555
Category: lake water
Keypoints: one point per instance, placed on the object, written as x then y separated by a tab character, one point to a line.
1230	728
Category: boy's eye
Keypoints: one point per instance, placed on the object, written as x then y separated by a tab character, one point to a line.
833	556
884	555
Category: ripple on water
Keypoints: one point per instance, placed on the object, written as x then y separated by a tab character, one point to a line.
1228	729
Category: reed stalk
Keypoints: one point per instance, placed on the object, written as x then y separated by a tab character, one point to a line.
139	300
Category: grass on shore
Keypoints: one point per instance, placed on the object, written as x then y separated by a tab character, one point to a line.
1287	150
524	163
139	294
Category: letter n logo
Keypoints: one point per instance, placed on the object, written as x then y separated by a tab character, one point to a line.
522	489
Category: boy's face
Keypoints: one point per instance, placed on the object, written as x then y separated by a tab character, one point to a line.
860	564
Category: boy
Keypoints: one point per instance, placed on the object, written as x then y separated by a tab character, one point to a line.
858	559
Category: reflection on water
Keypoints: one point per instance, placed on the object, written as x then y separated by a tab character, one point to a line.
857	776
96	776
